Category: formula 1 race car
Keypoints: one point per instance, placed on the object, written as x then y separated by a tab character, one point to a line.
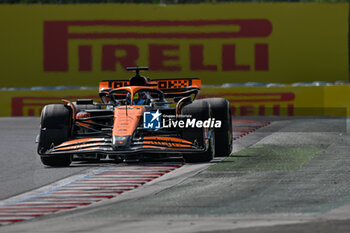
137	118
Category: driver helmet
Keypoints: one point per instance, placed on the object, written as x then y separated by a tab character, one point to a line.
140	98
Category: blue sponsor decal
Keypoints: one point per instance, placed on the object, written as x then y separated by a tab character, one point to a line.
151	120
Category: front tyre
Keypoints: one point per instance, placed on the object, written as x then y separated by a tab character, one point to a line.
61	161
220	109
199	110
55	128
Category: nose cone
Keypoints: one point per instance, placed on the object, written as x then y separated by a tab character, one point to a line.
120	141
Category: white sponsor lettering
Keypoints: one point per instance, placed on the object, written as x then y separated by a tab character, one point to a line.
191	123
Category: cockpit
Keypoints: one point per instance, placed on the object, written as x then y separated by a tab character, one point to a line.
133	96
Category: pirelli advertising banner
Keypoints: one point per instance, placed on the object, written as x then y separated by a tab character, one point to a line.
49	45
244	101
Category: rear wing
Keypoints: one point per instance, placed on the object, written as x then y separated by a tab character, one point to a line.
166	85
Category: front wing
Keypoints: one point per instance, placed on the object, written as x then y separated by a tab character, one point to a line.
144	145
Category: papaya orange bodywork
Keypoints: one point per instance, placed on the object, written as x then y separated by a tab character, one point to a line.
113	84
126	119
83	140
169	141
104	85
79	147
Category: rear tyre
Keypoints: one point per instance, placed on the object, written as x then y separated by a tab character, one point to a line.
55	128
199	110
220	110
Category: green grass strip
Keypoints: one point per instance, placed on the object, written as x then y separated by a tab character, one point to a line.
267	159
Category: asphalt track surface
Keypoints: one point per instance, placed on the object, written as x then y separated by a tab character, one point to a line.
294	195
21	169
